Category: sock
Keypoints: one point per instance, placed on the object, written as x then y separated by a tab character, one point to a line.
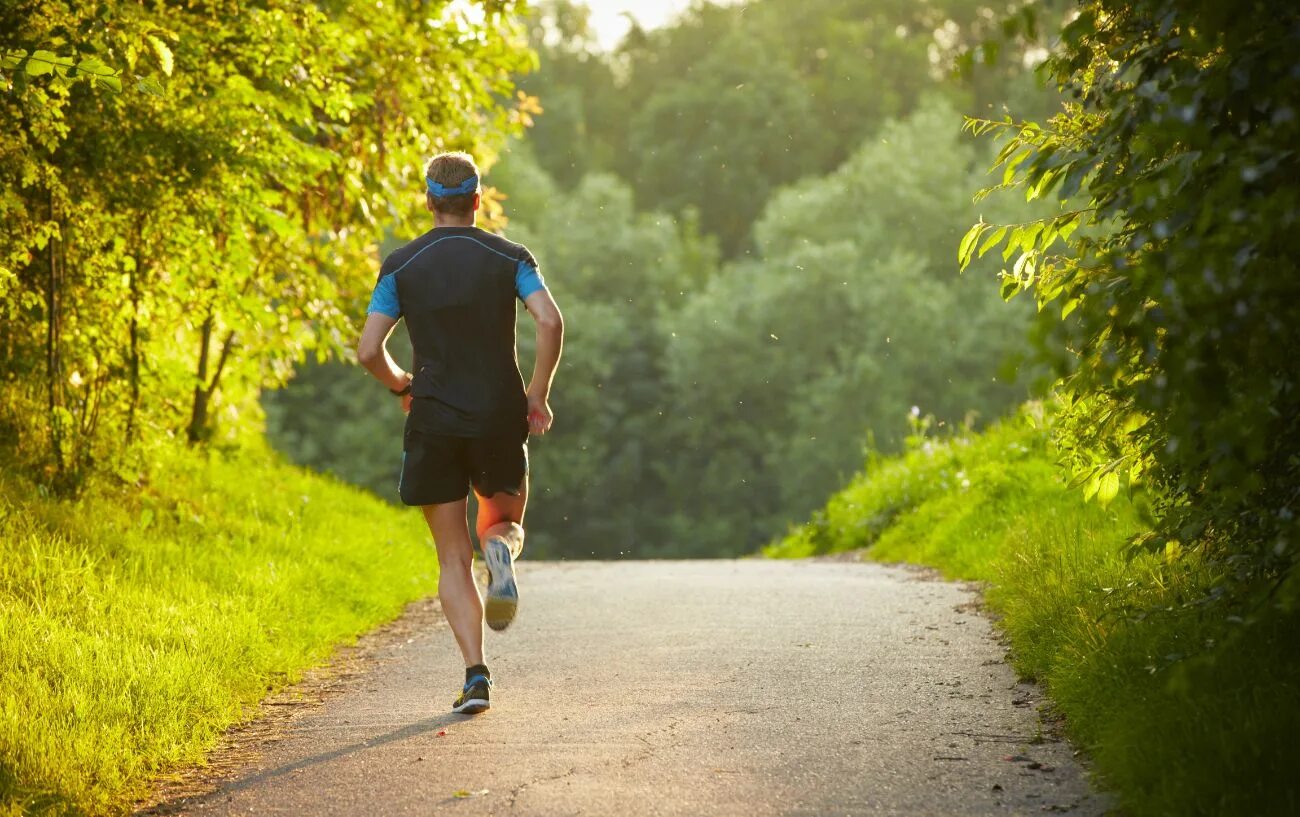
477	669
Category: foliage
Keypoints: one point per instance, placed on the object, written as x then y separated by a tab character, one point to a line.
171	248
332	419
1173	265
786	367
732	102
1180	709
65	70
139	621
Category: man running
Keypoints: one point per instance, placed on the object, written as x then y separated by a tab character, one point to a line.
468	414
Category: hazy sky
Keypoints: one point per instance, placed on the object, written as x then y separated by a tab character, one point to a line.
607	16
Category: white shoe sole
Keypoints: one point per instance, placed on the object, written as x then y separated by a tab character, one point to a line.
503	593
472	707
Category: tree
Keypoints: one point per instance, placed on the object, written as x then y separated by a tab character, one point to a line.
732	101
1172	265
785	368
177	240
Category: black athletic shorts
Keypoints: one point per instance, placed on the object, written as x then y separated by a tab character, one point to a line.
438	468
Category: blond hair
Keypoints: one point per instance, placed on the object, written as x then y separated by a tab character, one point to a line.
450	170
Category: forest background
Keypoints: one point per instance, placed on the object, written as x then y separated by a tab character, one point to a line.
750	227
756	230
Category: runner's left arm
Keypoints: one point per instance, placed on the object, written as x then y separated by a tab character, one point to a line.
550	344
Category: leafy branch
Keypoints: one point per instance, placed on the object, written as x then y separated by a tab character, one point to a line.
40	63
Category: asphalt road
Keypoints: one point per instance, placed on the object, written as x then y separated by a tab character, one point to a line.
685	688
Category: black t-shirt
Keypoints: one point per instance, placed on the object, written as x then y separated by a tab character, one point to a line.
457	288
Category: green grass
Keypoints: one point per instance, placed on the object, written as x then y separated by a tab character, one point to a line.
140	621
1185	706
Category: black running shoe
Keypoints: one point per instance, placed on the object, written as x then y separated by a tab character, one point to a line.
502	592
474	697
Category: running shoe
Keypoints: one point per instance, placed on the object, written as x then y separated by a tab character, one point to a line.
502	592
474	697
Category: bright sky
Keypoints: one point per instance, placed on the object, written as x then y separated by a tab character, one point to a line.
610	24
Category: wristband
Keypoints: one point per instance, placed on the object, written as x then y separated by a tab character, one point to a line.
405	390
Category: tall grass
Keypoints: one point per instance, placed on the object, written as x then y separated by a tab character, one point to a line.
140	621
1187	701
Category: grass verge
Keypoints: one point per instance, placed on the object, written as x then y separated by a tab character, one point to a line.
139	622
1187	702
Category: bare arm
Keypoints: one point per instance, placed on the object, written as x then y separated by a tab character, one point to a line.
550	343
372	351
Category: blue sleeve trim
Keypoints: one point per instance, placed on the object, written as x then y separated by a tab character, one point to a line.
384	299
528	280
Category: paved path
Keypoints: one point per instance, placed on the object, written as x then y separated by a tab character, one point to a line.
686	688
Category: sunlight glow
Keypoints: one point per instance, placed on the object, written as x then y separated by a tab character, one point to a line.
608	17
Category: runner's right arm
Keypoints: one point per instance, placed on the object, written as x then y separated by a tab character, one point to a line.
372	350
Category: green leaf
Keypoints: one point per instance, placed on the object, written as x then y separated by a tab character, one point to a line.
114	83
968	243
1093	486
40	62
1010	249
1049	235
165	60
1010	172
1028	268
1107	487
150	86
95	67
1030	235
1010	287
1133	422
1006	152
994	237
1043	185
1074	179
1019	269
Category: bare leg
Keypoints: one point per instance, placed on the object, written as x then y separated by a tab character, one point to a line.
461	603
502	515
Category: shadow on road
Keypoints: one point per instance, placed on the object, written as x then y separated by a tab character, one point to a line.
267	775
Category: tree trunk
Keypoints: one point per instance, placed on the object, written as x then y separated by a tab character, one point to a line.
226	348
205	389
199	411
133	359
53	362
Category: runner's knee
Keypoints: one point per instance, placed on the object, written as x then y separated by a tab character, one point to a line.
455	557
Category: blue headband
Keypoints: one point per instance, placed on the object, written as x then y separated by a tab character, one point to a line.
436	190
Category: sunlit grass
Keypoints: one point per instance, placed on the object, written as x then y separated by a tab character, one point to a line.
137	623
1185	707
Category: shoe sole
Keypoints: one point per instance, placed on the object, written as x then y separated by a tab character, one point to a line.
503	593
472	707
